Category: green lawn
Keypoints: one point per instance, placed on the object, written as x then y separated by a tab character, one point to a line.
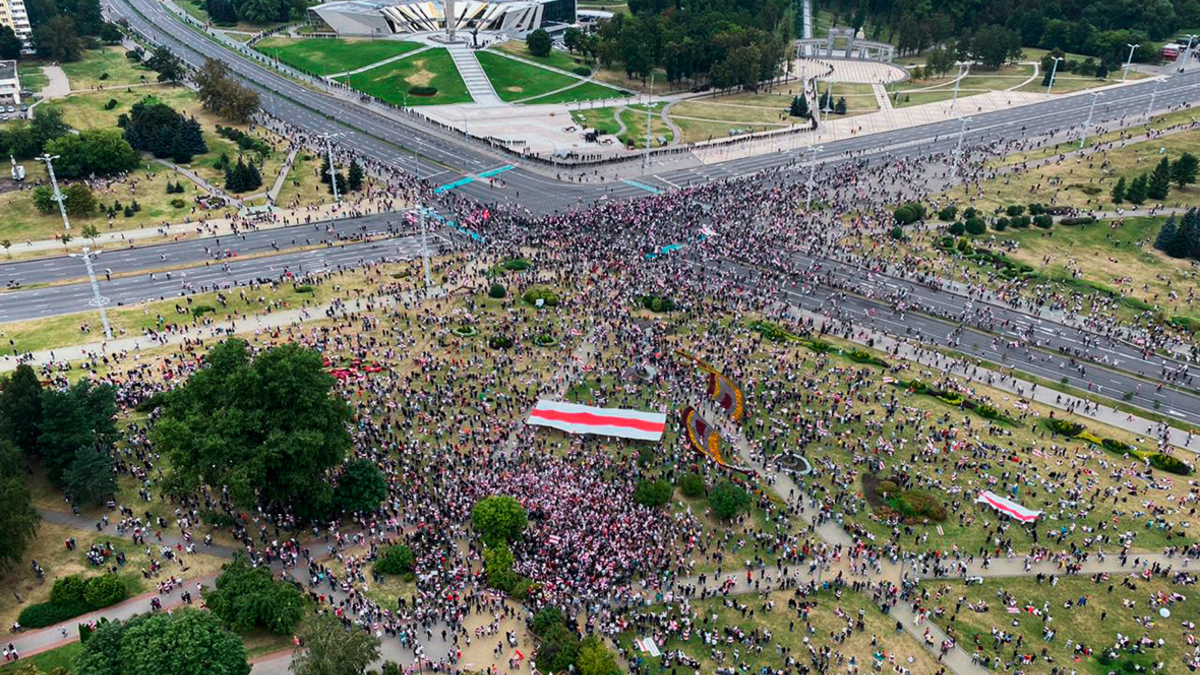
324	56
105	67
514	80
588	91
31	76
434	68
555	59
60	657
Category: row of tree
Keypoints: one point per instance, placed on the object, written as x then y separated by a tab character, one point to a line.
228	12
1157	183
159	129
1180	240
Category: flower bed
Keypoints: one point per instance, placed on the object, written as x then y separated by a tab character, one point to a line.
464	331
956	399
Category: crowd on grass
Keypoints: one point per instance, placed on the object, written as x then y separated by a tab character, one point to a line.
443	420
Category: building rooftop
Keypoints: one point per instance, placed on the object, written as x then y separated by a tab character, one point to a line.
8	70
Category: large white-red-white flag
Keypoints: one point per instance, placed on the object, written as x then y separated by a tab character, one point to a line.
584	419
1007	506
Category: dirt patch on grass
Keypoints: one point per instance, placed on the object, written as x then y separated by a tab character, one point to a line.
420	77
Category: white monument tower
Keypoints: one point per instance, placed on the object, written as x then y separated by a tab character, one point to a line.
451	20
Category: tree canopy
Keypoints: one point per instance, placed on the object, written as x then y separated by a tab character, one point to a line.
83	416
96	152
18	519
327	648
246	598
159	129
223	95
361	487
499	519
185	642
268	428
21	407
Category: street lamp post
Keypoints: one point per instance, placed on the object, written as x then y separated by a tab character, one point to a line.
962	130
98	300
1150	108
1087	125
828	98
332	168
957	80
1053	72
812	175
1129	60
58	197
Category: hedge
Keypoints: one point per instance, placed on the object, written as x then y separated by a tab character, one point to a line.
497	291
48	613
423	90
548	297
73	596
1061	426
500	342
515	265
656	303
957	400
909	212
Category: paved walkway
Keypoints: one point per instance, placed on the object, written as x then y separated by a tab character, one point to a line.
370	66
281	179
58	86
478	84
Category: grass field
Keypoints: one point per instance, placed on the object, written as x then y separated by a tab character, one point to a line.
31	76
59	657
326	56
557	58
106	67
434	68
1065	83
587	91
1124	605
514	80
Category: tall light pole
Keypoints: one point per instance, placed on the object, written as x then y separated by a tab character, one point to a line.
58	196
962	130
424	239
1150	108
1053	72
957	80
1088	124
332	169
649	106
828	98
1129	60
98	301
812	174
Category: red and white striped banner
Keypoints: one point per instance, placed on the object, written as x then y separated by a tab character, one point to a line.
582	419
1007	507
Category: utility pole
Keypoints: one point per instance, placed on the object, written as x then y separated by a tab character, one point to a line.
962	129
812	174
1088	124
424	240
1149	108
1129	60
58	197
1053	71
957	80
332	168
98	301
649	107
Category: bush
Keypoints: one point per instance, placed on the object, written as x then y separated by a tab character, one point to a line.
1014	210
1036	209
1064	427
200	310
692	485
546	619
548	297
497	291
49	613
772	331
1020	222
918	504
728	500
1113	445
656	303
464	331
397	559
104	591
582	71
887	487
500	342
1077	220
1000	224
975	226
1170	463
652	493
545	340
957	229
947	213
515	265
423	90
897	233
112	103
67	589
909	212
1044	221
178	203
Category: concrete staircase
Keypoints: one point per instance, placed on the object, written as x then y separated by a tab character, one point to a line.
479	86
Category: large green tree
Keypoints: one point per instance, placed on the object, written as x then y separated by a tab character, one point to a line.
499	519
21	407
83	416
18	518
185	642
223	95
58	40
268	428
361	487
327	648
10	44
90	479
246	598
97	152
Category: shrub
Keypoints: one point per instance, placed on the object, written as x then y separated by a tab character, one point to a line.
1170	463
975	226
582	71
1014	210
104	591
397	559
67	589
887	486
652	493
515	265
423	90
545	340
546	619
897	232
305	288
200	310
772	331
1077	220
1020	222
656	303
112	103
1044	221
1064	427
1113	445
464	331
49	613
728	500
497	291
918	504
178	203
547	296
909	212
692	485
947	213
957	229
1036	209
500	342
1000	224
